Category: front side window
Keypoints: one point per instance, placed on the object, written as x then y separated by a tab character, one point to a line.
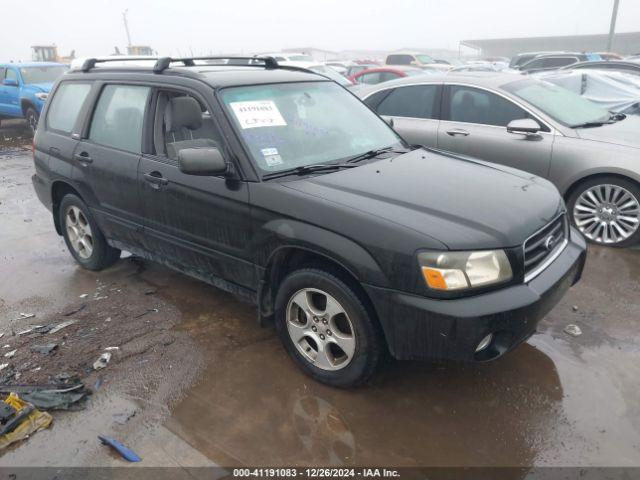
562	105
31	75
415	101
400	59
425	59
472	105
369	78
66	104
559	61
11	74
117	120
300	58
296	124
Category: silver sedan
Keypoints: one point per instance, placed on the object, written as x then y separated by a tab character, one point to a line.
590	154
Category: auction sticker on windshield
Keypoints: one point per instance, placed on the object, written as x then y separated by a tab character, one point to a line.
261	113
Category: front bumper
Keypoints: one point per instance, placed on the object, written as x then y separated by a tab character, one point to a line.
424	328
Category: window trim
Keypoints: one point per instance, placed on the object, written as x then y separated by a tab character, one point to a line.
88	120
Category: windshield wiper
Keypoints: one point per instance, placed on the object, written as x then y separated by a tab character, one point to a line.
613	118
319	167
374	153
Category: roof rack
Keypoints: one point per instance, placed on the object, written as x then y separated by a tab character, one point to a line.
163	63
89	63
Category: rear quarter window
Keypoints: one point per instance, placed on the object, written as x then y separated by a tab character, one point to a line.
66	104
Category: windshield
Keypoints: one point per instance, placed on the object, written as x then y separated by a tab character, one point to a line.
560	104
300	58
291	125
425	59
41	74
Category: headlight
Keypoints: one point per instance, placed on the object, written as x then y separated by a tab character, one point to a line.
41	96
463	270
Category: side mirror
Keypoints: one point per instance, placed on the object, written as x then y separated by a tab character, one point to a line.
202	161
525	126
10	82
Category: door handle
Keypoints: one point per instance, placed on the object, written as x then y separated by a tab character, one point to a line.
155	179
457	131
83	157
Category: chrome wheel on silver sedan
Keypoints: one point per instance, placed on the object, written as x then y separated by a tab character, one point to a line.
320	329
607	213
79	232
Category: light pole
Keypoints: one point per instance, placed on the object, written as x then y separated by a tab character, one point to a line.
612	27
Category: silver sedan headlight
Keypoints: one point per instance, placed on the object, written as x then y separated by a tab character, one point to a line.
454	271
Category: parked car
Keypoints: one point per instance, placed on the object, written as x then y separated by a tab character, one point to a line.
610	89
590	154
416	59
553	61
614	65
330	72
377	75
309	205
522	58
292	59
24	88
359	67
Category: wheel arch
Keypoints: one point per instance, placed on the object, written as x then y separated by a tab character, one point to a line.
25	103
59	189
289	258
623	175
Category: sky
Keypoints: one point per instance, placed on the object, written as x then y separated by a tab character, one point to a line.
184	27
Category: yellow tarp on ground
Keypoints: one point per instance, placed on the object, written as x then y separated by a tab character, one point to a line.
36	420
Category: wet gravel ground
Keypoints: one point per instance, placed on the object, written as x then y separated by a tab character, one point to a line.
198	383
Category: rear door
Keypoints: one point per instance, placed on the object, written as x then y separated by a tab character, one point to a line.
106	161
474	122
414	110
199	223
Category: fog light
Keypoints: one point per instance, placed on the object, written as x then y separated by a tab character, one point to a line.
484	343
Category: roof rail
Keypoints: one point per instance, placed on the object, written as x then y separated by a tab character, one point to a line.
90	63
163	63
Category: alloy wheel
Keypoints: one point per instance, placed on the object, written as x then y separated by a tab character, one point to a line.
320	329
79	232
607	214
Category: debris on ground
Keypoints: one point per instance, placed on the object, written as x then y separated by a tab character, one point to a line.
109	349
62	325
84	295
3	366
150	291
29	330
26	421
573	330
75	310
575	308
125	452
150	310
44	349
24	316
51	397
124	417
102	361
10	354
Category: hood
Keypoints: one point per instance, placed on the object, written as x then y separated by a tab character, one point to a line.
624	132
39	87
463	203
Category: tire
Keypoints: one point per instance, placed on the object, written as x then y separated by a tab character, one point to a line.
84	233
346	347
607	211
32	117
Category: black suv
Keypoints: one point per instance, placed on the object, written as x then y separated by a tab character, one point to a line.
280	186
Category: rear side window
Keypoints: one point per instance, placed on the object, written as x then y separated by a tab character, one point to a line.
416	101
472	105
66	104
369	78
117	120
559	61
399	59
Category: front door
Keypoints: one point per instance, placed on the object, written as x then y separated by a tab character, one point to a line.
199	223
474	123
106	162
10	94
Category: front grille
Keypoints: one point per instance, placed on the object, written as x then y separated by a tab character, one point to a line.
543	245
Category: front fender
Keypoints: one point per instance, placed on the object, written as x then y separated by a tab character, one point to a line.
289	233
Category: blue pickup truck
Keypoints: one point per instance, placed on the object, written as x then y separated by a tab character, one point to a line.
24	88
